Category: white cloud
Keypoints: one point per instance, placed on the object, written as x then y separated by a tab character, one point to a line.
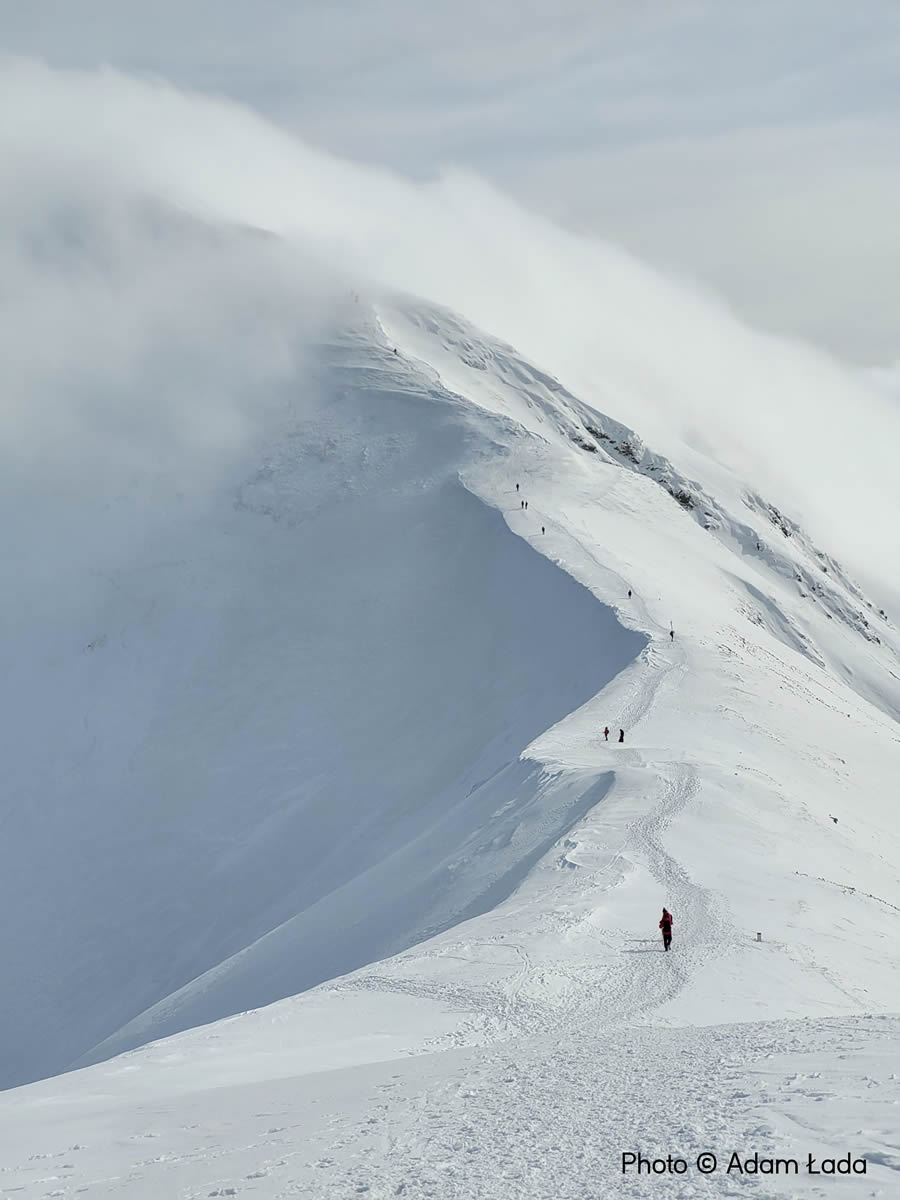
810	250
747	145
140	349
645	348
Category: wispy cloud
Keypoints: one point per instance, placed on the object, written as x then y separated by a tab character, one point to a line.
646	348
747	145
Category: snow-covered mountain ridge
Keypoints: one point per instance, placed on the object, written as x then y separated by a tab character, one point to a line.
595	432
372	691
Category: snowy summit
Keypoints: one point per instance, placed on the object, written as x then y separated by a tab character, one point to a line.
451	690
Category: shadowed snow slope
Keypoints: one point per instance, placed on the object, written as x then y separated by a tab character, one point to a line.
300	714
343	715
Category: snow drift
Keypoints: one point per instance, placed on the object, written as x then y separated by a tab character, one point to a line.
299	688
289	728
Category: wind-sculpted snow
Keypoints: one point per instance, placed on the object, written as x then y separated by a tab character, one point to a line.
359	657
292	743
509	385
350	716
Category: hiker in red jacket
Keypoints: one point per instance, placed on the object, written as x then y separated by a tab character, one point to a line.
666	927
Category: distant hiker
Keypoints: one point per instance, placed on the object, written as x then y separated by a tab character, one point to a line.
543	530
666	927
517	487
606	734
526	503
621	735
522	504
395	350
672	634
629	593
758	546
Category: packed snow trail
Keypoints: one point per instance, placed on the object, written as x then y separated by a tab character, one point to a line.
608	526
516	983
533	1022
556	1120
543	1118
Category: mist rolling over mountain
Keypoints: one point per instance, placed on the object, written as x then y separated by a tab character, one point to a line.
412	587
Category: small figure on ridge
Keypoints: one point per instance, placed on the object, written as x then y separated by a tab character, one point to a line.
666	927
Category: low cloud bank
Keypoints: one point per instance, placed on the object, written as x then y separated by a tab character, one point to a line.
124	339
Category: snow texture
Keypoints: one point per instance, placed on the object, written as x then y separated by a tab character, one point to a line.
343	727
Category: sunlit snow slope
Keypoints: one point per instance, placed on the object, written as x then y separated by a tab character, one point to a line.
342	514
334	716
353	706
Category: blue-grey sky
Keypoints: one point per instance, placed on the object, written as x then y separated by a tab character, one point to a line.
752	146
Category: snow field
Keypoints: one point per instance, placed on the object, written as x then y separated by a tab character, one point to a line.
516	1028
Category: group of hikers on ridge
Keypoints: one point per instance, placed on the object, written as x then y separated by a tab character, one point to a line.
667	920
665	923
523	504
